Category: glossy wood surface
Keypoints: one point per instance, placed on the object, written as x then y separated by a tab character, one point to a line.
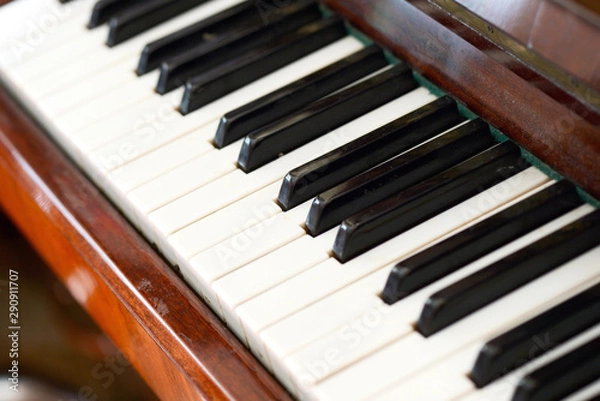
492	83
179	347
561	31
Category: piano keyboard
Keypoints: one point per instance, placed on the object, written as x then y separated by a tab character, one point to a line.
362	236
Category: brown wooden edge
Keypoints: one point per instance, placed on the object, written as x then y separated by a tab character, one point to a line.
173	340
456	59
553	65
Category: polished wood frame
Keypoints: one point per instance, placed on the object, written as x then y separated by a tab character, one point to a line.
179	347
517	98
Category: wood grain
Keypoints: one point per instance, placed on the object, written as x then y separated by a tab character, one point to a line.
179	347
486	79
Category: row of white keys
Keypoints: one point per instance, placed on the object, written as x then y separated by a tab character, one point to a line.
236	185
48	62
185	178
223	224
70	98
448	379
31	28
267	272
243	248
324	279
420	352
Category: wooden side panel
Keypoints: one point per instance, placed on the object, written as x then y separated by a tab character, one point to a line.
179	347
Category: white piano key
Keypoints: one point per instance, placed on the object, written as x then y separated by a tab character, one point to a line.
508	311
29	29
33	28
16	17
35	69
396	320
223	224
160	127
95	114
241	249
358	300
198	204
440	382
166	158
267	272
185	178
86	90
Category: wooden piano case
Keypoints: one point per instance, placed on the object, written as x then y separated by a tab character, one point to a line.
533	72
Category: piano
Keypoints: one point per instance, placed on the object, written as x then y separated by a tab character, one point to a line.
349	200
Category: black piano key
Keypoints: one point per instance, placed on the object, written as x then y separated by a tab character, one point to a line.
144	16
563	376
322	116
331	207
211	30
261	112
508	351
420	202
500	278
343	163
240	41
104	10
205	88
449	255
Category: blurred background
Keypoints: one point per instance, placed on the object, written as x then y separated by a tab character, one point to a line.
63	356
